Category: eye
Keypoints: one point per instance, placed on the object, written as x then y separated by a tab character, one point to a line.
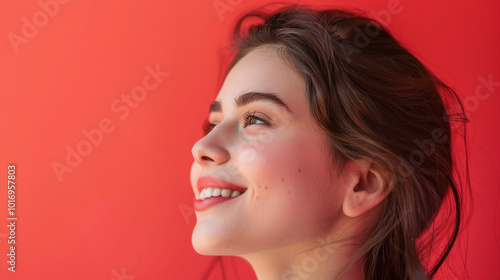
250	118
207	127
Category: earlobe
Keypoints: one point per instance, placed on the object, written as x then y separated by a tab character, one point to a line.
366	190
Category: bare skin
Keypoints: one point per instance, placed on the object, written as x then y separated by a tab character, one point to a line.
298	218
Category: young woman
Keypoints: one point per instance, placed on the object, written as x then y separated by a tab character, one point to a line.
327	153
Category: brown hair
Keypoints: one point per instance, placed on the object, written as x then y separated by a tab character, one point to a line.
374	100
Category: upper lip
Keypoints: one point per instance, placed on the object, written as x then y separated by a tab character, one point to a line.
214	182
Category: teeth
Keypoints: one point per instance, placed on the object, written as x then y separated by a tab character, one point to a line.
208	192
226	193
213	192
235	193
216	192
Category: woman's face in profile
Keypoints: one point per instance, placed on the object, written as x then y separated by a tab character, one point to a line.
264	144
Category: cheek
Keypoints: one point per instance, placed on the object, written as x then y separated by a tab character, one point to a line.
294	163
290	185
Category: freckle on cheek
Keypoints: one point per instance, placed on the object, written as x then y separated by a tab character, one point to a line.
265	187
299	170
282	179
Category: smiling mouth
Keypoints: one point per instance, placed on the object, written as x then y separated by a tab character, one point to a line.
215	192
213	196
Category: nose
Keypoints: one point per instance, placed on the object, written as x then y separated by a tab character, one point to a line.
211	149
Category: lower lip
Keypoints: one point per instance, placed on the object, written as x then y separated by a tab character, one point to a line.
200	205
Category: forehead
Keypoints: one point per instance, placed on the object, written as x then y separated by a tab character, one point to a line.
264	70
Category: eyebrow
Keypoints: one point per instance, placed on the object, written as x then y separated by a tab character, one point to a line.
250	97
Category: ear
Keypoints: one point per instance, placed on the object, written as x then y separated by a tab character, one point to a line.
365	188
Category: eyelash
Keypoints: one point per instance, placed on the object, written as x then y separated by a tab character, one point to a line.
207	127
247	118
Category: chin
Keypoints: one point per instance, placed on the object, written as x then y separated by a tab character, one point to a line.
204	244
218	245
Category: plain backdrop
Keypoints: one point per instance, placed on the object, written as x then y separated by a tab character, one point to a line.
123	209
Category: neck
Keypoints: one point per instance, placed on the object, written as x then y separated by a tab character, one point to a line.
325	259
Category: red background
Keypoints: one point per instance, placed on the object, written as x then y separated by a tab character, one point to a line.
125	210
